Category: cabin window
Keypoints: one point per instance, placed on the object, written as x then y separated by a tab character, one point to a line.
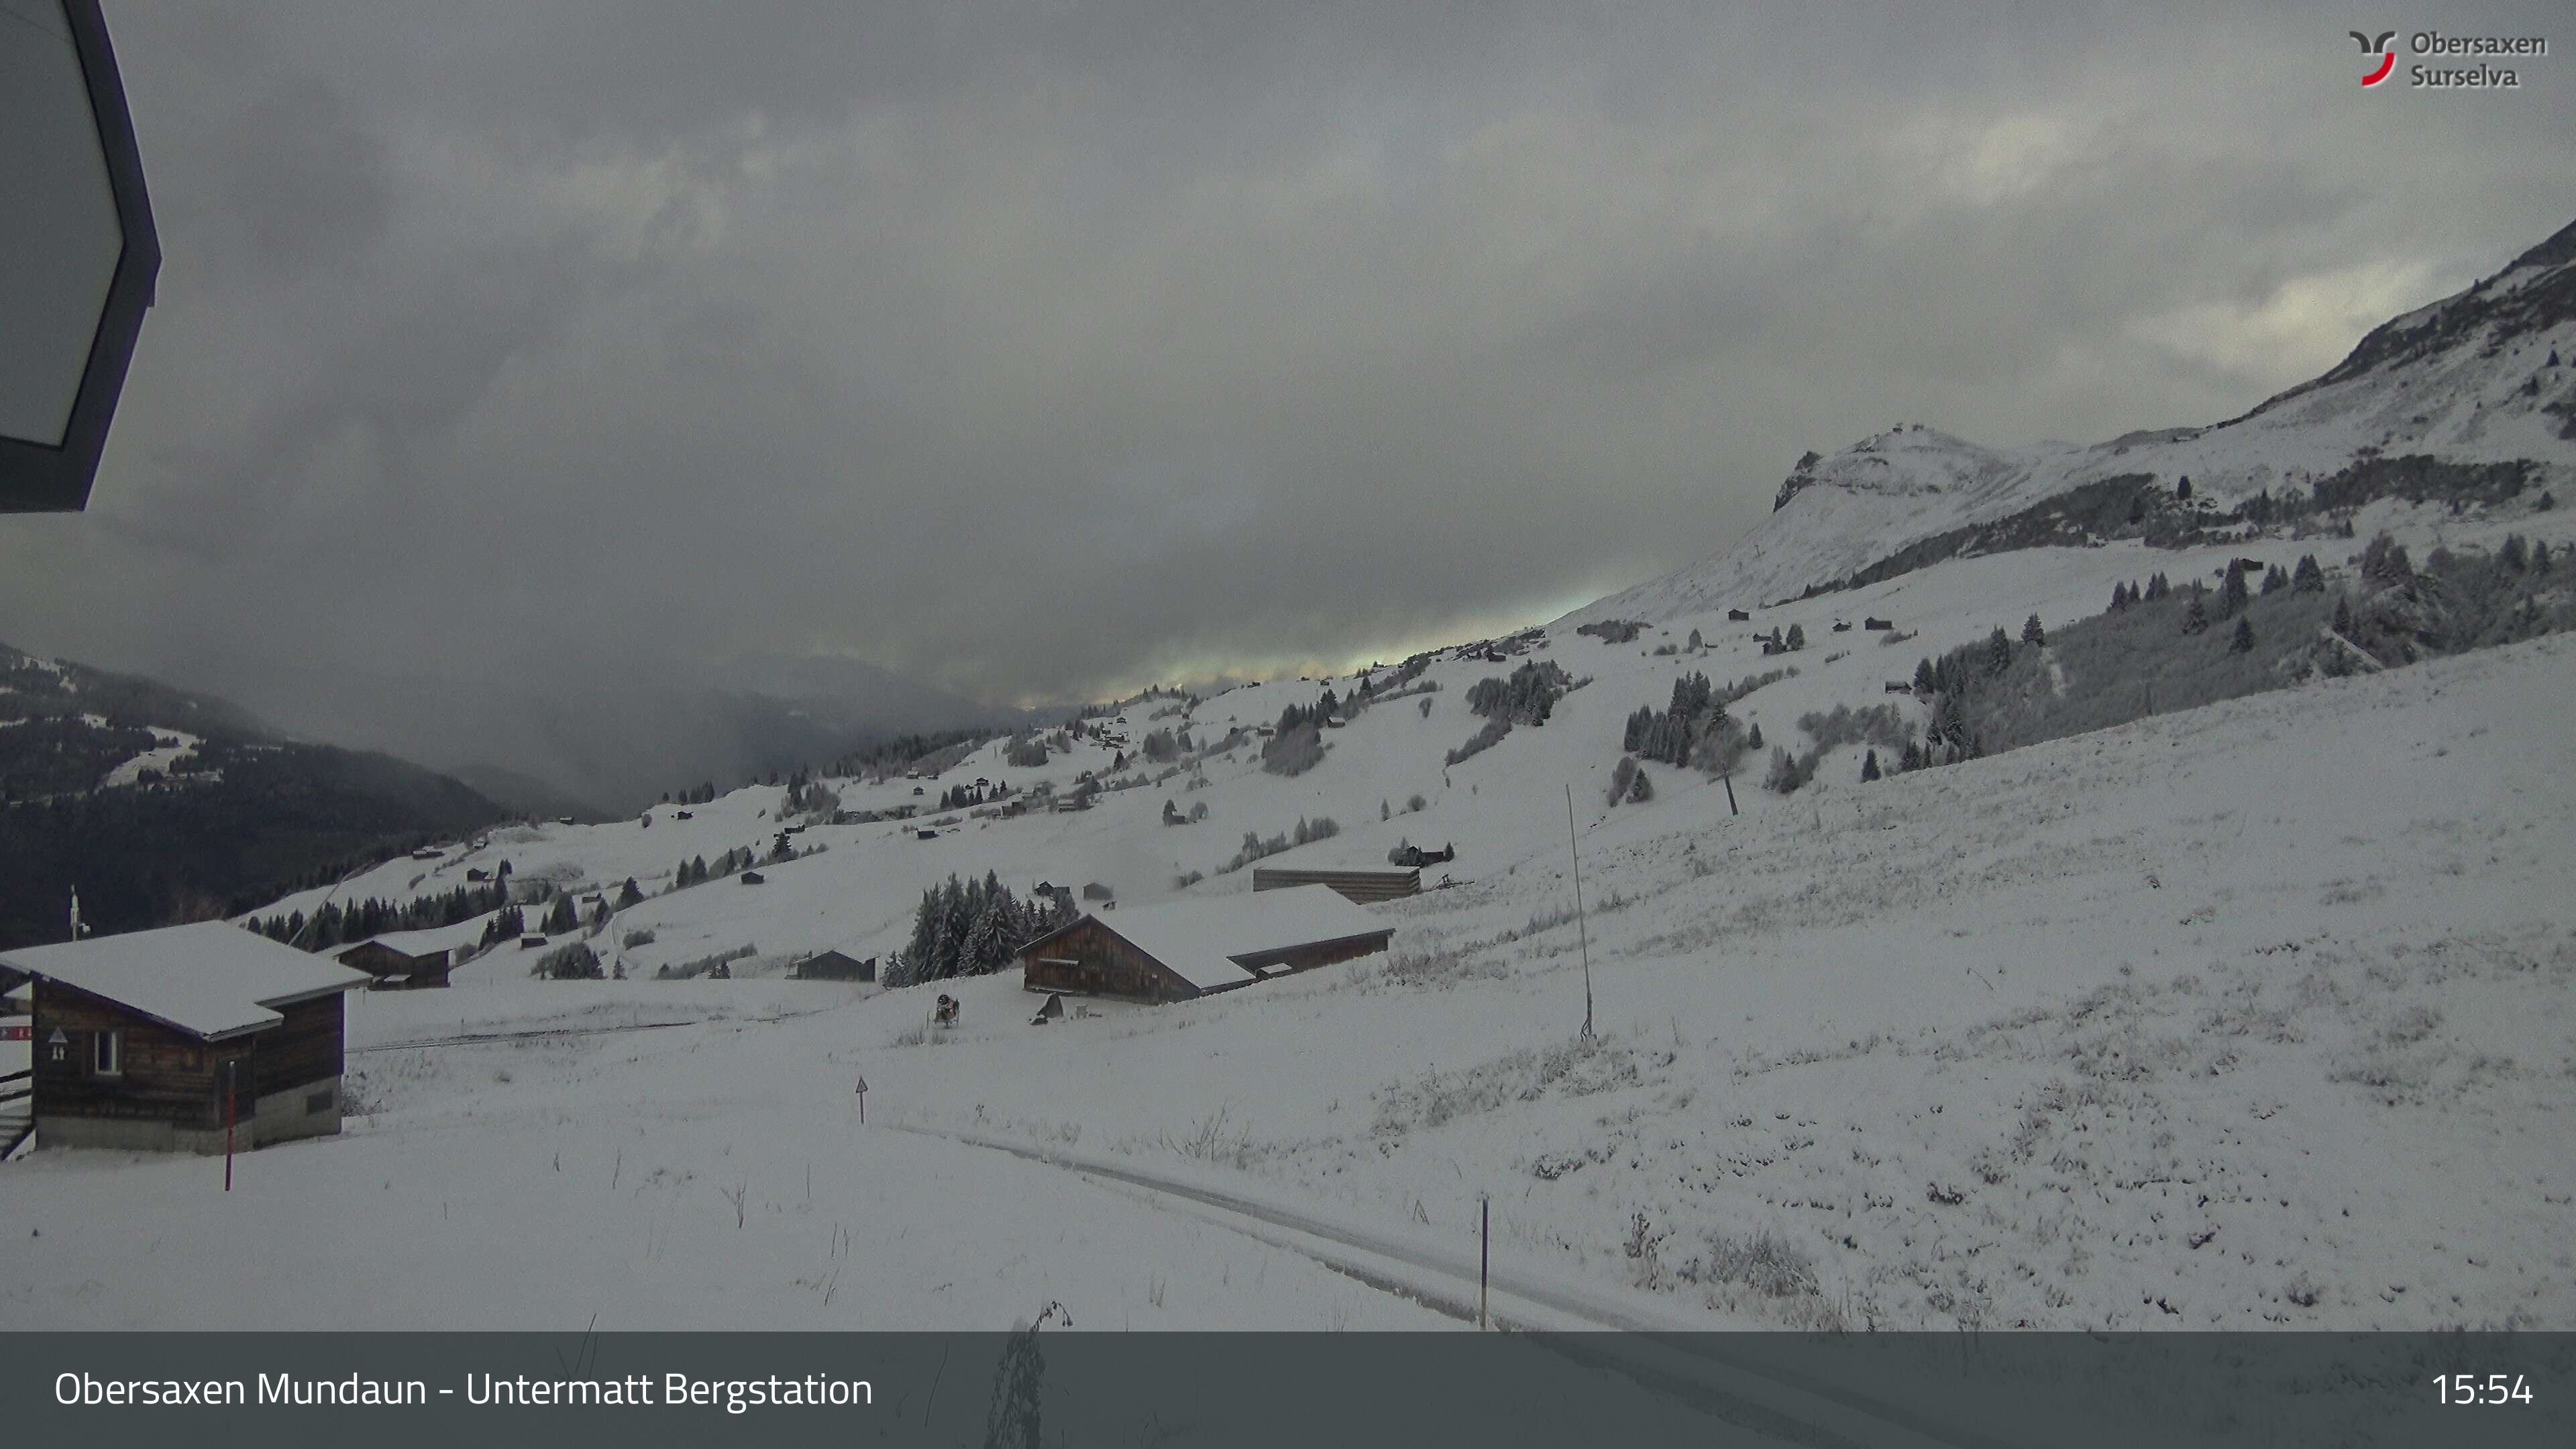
107	1054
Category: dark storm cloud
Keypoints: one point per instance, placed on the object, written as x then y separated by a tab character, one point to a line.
1033	350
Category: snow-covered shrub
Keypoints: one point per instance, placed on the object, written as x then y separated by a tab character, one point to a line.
1482	740
575	962
1294	751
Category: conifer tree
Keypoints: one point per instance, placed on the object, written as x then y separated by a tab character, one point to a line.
2231	593
1797	637
2307	578
2032	634
1869	767
2343	615
1783	776
1640	790
2274	580
1998	651
2195	618
1753	741
2242	641
1926	683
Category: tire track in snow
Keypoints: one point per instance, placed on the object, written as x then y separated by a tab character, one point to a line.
1669	1357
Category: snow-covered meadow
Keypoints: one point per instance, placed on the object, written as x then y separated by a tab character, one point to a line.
2250	1016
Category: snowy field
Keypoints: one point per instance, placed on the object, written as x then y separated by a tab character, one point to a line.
2252	1016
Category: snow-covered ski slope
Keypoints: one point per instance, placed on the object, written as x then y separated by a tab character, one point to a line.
2469	379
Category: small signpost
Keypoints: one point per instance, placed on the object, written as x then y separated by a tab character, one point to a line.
1484	1252
863	1101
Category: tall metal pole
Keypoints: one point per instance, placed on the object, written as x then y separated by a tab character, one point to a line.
1581	934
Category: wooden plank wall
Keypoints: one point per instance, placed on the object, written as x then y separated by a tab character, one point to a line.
170	1076
1091	961
1360	887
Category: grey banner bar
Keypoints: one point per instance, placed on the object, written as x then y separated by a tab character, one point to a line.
1058	1387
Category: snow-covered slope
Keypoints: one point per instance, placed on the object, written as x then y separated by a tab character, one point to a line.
2486	376
2243	1016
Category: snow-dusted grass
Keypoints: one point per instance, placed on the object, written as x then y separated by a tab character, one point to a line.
2252	1015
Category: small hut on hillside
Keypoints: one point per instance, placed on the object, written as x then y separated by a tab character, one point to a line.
1196	948
836	966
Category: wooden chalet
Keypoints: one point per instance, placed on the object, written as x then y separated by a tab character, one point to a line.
402	960
1359	887
835	966
1189	949
137	1037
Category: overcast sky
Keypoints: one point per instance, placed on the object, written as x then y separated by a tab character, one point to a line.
1034	350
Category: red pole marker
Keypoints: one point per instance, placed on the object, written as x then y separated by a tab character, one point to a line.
230	1098
1484	1255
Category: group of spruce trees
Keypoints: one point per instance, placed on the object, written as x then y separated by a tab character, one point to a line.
971	928
696	871
1525	697
336	925
1666	736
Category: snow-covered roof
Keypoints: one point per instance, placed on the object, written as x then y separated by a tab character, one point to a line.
1198	939
209	979
427	942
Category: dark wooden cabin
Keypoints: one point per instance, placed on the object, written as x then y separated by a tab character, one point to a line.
1196	948
836	966
140	1038
398	962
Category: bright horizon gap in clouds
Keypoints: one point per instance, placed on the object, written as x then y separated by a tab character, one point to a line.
515	370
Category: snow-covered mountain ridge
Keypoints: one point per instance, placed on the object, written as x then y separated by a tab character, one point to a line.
2484	377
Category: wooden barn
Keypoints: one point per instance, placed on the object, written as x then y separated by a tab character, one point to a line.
1197	948
836	966
136	1037
1359	887
402	960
